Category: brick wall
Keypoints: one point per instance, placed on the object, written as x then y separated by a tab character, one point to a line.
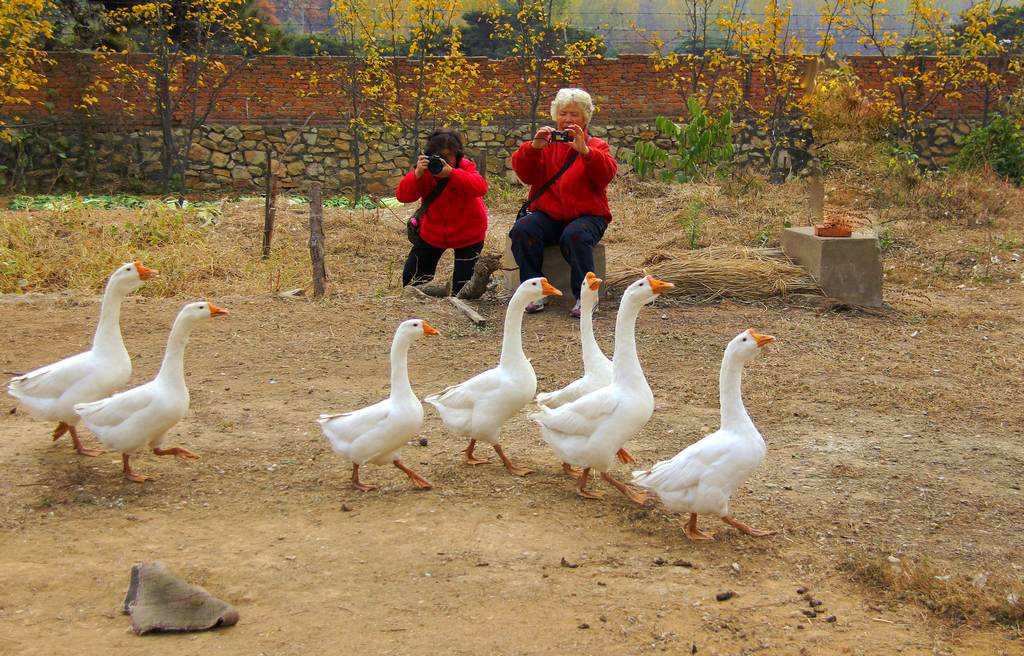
626	89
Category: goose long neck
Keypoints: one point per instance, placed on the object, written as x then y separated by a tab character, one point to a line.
626	363
173	368
730	394
400	386
108	330
512	340
591	351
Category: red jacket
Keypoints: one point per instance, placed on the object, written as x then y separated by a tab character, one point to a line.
581	189
456	218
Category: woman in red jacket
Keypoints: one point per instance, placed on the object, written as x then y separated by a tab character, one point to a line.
456	219
573	212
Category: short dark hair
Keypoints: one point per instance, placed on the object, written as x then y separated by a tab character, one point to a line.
444	138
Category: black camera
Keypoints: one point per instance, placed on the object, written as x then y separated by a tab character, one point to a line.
435	164
560	136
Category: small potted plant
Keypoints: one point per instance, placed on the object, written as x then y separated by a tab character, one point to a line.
835	224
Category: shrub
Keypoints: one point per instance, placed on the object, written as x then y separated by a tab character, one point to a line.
998	146
702	146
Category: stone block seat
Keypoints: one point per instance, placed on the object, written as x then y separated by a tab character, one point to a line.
556	270
847	268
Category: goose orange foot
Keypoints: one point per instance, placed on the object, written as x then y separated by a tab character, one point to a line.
571	471
695	533
625	457
184	454
126	467
416	479
470	458
745	528
636	496
513	469
581	487
62	428
362	487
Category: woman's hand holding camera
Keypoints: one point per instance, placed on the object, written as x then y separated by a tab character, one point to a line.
540	140
579	139
423	164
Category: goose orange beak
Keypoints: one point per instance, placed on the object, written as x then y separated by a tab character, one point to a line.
593	281
549	290
217	312
659	286
429	330
145	272
761	340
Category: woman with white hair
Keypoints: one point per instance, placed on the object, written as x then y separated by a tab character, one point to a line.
568	172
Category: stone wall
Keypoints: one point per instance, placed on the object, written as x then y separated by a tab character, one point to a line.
938	144
232	158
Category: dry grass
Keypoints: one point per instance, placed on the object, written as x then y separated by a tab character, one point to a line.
45	251
720	272
984	598
935	229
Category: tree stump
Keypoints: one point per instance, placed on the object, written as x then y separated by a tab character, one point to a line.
485	266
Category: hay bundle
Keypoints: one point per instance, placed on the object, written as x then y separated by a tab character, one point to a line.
722	272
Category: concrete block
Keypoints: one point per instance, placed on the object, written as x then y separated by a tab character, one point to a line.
556	270
847	268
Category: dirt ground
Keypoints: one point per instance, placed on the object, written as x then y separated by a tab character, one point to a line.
893	434
887	435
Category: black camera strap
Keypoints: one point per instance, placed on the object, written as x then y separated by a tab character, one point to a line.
431	197
525	209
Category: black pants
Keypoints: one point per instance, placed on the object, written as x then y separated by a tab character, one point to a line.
576	239
422	263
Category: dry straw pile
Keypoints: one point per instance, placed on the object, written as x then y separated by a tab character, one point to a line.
723	272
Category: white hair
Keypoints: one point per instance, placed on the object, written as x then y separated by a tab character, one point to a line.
577	97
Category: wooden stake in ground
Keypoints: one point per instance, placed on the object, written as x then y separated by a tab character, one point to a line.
316	240
270	203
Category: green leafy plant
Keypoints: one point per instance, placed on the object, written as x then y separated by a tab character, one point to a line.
901	156
692	222
701	147
763	236
999	146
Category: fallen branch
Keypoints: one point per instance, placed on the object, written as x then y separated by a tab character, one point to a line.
473	315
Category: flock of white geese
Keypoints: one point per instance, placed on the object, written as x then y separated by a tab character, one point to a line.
586	423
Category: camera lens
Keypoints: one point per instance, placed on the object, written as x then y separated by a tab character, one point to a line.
435	164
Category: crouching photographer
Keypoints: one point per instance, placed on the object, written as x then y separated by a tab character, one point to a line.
451	213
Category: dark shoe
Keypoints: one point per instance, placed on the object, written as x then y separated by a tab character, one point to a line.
533	307
576	311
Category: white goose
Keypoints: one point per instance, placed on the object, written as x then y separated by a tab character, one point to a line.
51	392
703	476
597	368
139	418
377	432
591	430
478	407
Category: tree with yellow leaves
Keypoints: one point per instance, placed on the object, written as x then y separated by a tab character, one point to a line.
911	86
702	65
21	27
776	56
545	49
172	60
985	61
354	79
430	80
